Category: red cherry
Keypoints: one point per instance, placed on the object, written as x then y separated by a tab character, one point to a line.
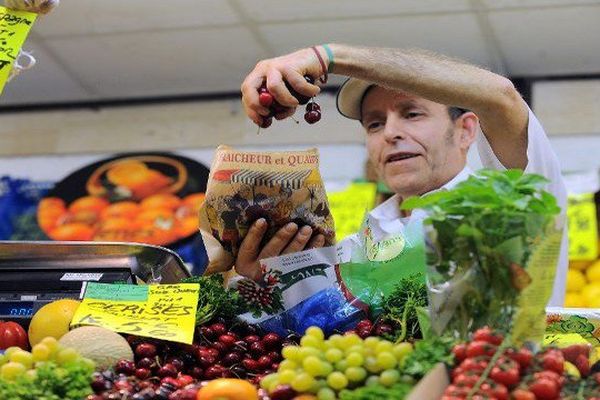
257	349
312	106
271	341
264	362
266	122
251	339
142	373
227	340
218	328
250	364
265	99
167	370
184	380
145	350
312	117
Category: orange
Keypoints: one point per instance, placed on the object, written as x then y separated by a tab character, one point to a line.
152	234
186	226
228	388
116	229
163	200
89	203
153	214
51	202
126	171
72	231
124	209
194	200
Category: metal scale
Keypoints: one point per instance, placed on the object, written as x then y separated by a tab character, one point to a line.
33	274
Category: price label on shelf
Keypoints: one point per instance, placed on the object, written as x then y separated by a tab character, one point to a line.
583	227
348	207
14	28
159	311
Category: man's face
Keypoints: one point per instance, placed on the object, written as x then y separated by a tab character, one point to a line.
411	141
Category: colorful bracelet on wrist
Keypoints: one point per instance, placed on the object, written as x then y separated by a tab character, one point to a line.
330	56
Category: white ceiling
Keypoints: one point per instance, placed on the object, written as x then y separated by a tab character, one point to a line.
108	49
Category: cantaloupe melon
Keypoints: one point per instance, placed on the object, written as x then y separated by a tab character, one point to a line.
100	345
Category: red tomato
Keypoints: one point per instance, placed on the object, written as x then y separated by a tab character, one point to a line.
460	352
522	394
486	334
472	364
522	356
559	379
505	375
544	389
480	348
554	362
466	380
494	390
458	391
12	334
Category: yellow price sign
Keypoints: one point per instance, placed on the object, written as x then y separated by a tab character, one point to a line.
583	227
348	207
159	311
14	28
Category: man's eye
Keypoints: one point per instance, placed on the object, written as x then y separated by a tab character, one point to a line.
413	114
374	126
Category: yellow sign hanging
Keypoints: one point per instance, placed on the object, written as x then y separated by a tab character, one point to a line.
583	227
14	28
159	311
348	207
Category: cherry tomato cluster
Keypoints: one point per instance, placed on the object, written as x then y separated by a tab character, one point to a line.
266	99
516	373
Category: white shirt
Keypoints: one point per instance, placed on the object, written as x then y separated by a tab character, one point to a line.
387	219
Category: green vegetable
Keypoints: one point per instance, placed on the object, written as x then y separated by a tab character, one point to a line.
427	354
215	299
483	232
401	305
377	392
67	382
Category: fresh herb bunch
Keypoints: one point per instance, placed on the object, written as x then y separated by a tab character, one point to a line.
400	307
483	232
428	353
377	392
52	382
214	299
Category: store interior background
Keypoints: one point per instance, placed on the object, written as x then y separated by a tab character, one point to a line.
116	76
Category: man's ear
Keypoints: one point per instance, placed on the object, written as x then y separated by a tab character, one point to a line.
467	125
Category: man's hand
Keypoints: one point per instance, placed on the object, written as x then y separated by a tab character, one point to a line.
275	72
287	240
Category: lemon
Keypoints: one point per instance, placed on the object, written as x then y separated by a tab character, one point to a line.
575	280
52	320
574	300
593	272
591	294
579	265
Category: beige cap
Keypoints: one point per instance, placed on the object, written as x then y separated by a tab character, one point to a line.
350	96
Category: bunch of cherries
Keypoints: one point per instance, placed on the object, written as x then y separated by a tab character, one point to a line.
171	371
266	99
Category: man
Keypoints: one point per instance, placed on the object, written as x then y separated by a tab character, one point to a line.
413	106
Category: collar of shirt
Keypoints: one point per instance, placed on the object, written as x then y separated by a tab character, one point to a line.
387	217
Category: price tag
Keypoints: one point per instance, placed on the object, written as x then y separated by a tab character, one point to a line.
14	28
348	207
583	229
159	311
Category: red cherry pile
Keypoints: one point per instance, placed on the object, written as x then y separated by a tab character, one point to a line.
366	328
168	371
266	99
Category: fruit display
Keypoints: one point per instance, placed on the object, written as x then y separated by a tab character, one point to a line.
158	219
148	198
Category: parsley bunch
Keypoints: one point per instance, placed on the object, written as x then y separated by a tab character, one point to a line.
214	299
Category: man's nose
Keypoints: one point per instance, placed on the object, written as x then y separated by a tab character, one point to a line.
394	129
